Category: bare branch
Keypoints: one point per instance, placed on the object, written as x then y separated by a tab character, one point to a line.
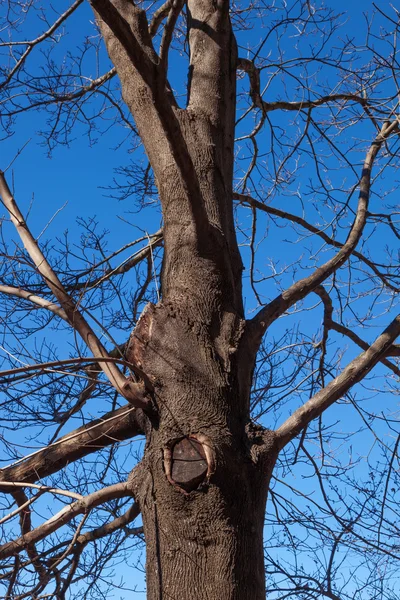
86	89
128	389
356	370
31	44
158	17
26	527
125	31
118	490
213	56
121	424
11	486
248	66
41	302
173	15
55	364
154	241
283	214
129	25
301	288
130	515
393	350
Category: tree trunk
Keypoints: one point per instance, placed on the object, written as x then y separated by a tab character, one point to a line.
203	481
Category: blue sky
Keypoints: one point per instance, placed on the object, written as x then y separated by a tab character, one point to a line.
69	182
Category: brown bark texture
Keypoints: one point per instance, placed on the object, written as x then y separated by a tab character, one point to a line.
203	539
203	520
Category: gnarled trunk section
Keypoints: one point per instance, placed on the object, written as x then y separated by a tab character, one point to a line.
202	483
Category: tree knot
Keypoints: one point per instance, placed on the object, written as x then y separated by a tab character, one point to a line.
262	444
189	462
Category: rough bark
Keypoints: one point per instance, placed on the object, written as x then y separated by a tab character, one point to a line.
203	536
207	542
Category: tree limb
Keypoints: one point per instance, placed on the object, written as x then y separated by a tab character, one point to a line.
130	515
393	350
41	302
14	486
118	490
158	17
152	104
133	392
213	56
253	72
118	425
283	214
154	241
32	43
300	289
129	25
173	15
355	371
25	522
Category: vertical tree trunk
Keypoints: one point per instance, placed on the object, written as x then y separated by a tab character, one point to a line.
203	529
207	544
203	481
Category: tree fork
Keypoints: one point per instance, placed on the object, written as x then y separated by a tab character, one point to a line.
202	483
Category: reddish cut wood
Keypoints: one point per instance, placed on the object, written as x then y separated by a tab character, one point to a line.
189	464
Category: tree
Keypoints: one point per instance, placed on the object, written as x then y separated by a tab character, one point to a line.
200	376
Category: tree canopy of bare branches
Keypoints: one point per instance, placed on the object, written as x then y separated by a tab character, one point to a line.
203	376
